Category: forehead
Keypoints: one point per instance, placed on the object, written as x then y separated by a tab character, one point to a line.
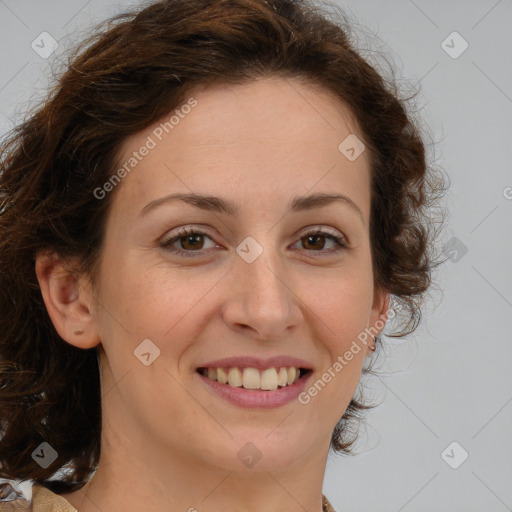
268	135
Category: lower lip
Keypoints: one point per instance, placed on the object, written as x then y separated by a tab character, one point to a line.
250	399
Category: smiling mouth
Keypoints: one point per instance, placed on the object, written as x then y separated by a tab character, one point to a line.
269	379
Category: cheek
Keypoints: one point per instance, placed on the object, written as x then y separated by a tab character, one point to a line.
156	302
341	311
343	302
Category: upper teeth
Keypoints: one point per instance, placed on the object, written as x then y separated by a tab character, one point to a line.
252	378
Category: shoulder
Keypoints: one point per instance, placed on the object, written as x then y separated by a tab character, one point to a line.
326	506
44	500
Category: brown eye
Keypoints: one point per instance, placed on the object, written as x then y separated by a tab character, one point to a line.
187	242
193	241
315	241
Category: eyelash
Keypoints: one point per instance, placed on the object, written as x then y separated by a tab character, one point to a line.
183	232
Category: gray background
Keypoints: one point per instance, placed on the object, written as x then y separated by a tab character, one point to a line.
451	380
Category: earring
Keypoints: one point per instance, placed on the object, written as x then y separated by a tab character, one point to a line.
78	332
373	347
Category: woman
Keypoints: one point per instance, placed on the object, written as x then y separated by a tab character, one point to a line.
202	229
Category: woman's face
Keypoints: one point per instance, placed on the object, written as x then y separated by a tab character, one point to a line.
249	283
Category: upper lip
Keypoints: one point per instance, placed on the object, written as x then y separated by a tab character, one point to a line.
256	362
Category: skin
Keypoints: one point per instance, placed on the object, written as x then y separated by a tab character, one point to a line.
168	442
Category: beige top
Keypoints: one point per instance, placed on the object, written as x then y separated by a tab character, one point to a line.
44	500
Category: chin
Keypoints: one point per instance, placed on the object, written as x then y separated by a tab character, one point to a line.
264	452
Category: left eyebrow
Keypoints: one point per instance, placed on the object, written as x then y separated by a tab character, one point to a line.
220	205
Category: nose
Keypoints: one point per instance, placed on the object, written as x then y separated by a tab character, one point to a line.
260	301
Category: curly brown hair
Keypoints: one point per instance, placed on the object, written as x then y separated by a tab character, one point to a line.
130	72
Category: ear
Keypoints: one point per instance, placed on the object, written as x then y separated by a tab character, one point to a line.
380	311
69	300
